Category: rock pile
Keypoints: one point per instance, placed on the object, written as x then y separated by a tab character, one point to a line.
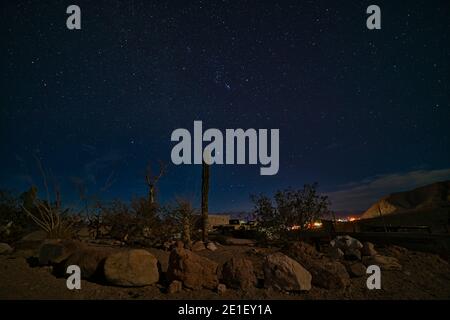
326	272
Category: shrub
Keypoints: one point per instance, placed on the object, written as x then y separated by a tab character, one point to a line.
181	218
293	209
50	217
14	222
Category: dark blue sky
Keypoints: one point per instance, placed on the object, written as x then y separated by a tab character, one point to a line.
361	112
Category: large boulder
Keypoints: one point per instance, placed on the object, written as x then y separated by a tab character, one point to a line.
131	268
284	273
384	262
193	270
238	273
90	260
35	236
326	272
5	248
56	251
346	242
350	246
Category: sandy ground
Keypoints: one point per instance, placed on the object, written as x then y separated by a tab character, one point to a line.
424	276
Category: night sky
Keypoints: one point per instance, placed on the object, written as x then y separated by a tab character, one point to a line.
362	112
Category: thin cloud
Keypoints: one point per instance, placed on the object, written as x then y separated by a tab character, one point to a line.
358	196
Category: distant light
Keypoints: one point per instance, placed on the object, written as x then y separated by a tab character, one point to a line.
317	224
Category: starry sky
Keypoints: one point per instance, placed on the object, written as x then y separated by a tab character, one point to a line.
362	112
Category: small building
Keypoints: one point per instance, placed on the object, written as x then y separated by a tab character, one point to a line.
213	220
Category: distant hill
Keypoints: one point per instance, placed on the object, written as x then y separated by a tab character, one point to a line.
432	196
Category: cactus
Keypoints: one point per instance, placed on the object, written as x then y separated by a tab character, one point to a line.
205	190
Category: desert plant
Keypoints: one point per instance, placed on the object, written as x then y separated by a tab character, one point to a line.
118	217
51	217
181	218
136	222
293	209
205	191
14	222
48	215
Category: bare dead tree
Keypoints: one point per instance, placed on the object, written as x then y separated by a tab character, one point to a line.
152	180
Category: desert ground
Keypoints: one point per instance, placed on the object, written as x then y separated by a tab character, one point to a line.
422	276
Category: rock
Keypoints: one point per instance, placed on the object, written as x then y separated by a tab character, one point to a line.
84	233
352	254
356	269
238	273
284	273
192	270
346	242
211	246
38	235
326	273
132	268
5	248
384	262
175	286
49	269
90	260
239	242
303	249
221	288
56	251
335	253
397	251
368	249
198	246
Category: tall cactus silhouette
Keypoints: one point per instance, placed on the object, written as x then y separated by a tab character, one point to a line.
205	191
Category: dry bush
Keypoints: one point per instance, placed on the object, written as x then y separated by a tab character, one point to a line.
48	215
137	223
292	208
52	218
180	220
14	222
